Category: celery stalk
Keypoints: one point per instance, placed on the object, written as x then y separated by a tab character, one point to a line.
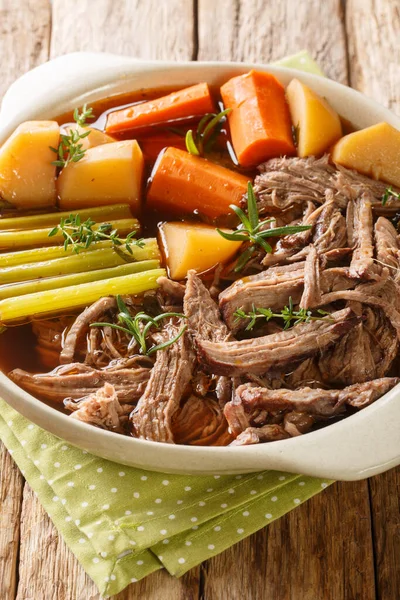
100	214
21	257
75	296
52	283
35	237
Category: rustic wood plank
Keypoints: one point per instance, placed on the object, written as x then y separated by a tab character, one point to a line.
255	30
47	569
373	28
24	37
320	550
185	588
11	486
385	509
148	29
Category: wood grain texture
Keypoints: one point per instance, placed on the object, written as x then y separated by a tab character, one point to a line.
373	29
47	569
161	586
321	550
262	31
149	29
24	37
11	486
385	510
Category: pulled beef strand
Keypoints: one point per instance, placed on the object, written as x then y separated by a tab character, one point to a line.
318	403
101	409
259	355
170	376
81	326
77	380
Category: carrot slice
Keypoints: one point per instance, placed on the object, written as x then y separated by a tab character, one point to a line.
191	102
260	120
182	183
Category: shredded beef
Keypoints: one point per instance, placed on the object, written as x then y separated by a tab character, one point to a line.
273	287
77	380
170	376
201	422
257	435
81	326
276	351
101	409
316	402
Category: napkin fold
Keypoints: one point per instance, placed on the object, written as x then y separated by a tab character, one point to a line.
124	523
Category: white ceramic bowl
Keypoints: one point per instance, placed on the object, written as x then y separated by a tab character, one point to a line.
360	446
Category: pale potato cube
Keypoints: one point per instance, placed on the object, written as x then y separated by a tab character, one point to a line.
107	174
374	151
194	246
316	124
27	177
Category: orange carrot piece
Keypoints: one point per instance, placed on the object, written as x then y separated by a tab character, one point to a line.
191	102
152	144
260	120
182	183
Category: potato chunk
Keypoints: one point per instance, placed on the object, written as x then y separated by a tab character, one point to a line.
107	174
317	125
95	138
374	151
194	246
27	177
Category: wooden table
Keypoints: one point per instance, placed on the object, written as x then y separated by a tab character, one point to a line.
343	544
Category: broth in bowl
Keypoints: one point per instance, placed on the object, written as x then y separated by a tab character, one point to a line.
201	266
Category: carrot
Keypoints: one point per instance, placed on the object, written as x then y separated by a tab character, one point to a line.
182	183
260	120
183	104
152	144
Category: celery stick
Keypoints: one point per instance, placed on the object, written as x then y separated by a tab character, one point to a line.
76	263
100	214
52	283
35	237
21	257
75	296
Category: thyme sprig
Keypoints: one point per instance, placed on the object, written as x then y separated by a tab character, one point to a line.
250	230
288	314
390	193
139	326
206	134
70	148
80	235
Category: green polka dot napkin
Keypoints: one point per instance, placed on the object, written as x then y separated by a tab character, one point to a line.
124	523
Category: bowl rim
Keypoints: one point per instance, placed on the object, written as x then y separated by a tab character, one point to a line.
31	407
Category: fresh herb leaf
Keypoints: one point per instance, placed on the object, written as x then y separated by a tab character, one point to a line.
80	235
249	229
288	314
138	327
206	134
389	193
70	149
